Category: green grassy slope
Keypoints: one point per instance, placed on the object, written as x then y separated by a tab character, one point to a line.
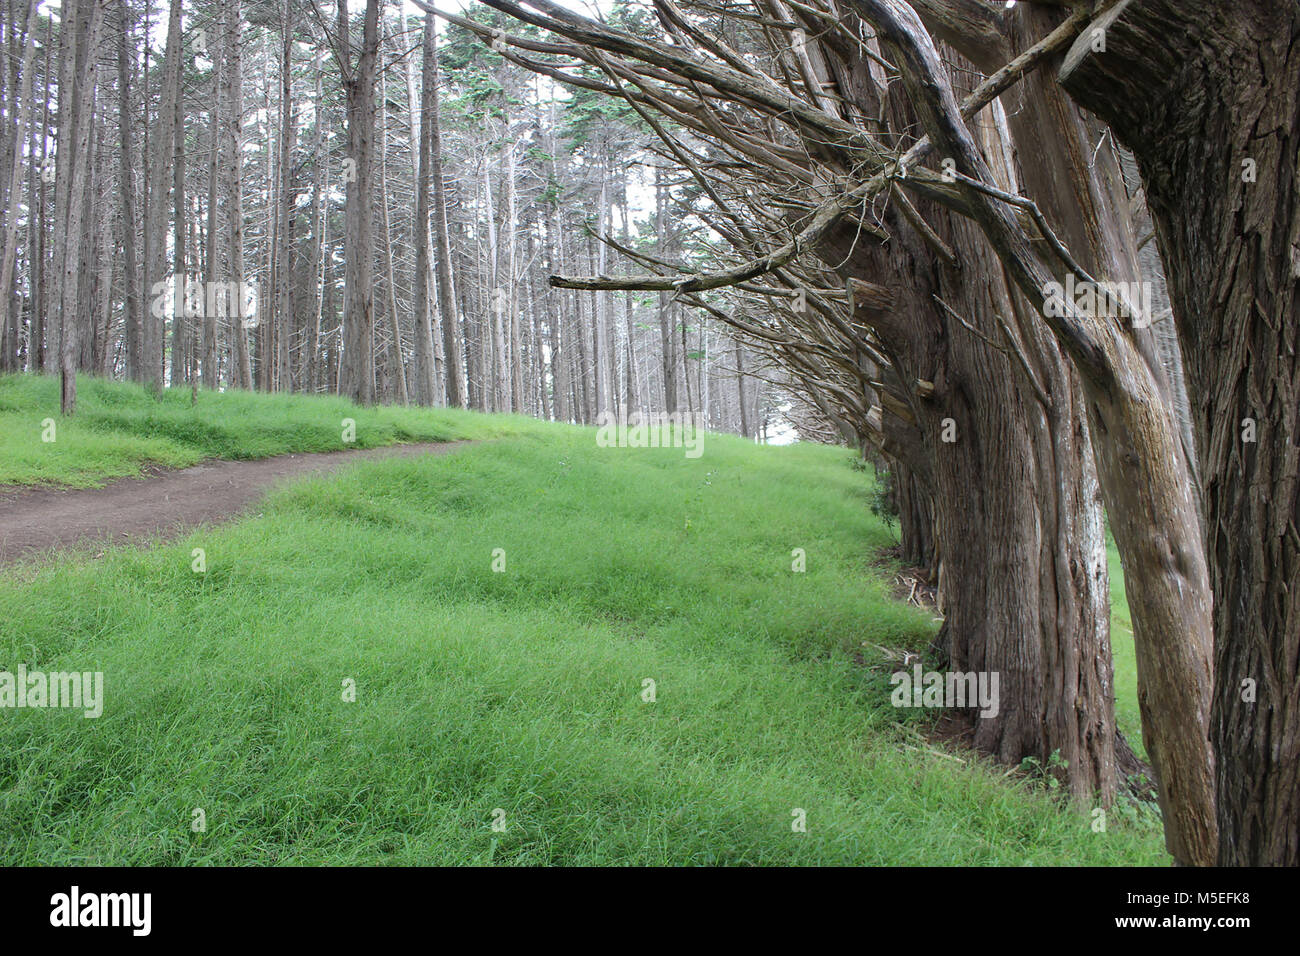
520	690
1123	654
118	428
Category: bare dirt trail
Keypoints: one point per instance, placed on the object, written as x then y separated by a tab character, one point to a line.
164	504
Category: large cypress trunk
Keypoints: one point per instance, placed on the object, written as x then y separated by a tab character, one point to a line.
1141	461
1212	114
915	519
1016	505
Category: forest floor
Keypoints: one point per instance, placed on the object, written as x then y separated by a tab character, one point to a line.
534	650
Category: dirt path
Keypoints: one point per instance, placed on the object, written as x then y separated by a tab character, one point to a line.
164	504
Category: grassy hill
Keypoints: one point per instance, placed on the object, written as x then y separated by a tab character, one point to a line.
118	428
476	690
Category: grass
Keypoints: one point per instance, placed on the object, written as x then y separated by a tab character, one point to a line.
118	429
1123	654
521	690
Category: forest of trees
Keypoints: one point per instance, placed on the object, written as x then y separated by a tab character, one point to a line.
861	217
292	143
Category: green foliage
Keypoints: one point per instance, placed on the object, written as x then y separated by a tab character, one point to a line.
589	115
882	499
1048	773
476	76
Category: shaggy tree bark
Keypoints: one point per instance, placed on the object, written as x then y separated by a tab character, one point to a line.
1078	186
1205	95
1016	502
915	519
1145	482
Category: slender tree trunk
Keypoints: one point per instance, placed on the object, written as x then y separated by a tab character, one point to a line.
9	325
180	272
398	358
426	387
600	329
667	340
515	392
133	316
41	305
357	373
499	300
453	374
282	328
319	217
84	23
242	373
156	216
740	390
211	366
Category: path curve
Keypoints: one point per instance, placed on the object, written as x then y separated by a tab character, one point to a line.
164	504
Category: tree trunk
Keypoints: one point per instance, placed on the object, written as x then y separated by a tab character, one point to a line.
1017	514
319	218
211	376
9	248
282	327
180	270
83	24
1216	139
454	373
397	361
242	376
40	304
426	389
498	299
667	340
156	218
515	390
600	328
133	317
357	373
915	519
